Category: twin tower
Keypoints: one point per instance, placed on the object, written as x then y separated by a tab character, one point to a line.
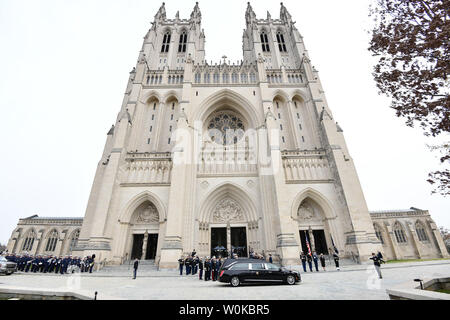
224	157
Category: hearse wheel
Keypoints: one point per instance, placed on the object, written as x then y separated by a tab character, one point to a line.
290	280
235	281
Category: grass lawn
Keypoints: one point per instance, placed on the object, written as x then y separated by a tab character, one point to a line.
414	260
443	291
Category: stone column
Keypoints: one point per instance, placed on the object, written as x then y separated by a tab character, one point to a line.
287	237
229	238
311	240
172	247
144	245
438	239
416	241
392	242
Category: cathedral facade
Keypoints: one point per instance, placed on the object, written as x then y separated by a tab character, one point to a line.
230	157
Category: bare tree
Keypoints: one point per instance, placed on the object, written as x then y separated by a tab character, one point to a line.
411	40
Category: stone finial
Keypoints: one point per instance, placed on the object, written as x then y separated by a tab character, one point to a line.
249	14
284	14
161	14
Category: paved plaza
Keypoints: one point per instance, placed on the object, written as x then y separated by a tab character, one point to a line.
352	282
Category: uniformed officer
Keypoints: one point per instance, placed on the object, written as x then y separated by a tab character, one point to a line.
316	261
187	263
200	267
303	258
181	264
309	259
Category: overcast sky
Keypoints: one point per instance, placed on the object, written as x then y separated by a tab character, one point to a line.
64	66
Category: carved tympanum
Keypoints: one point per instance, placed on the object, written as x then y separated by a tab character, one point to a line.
227	210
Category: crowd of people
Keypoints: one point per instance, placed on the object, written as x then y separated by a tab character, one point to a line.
208	268
52	264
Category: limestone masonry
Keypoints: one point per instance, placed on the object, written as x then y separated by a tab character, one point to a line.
227	157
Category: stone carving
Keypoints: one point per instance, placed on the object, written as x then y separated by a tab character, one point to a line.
306	211
250	183
227	210
148	215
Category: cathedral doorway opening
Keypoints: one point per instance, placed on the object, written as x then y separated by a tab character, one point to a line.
317	241
152	244
219	242
239	241
144	231
138	241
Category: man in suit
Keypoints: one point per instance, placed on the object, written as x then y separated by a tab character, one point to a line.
135	268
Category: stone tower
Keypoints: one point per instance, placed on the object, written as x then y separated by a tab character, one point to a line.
224	157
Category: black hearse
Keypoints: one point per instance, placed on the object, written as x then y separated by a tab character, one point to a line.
237	271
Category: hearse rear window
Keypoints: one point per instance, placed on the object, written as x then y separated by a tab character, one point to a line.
240	266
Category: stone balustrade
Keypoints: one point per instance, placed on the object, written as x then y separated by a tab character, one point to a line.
147	168
306	166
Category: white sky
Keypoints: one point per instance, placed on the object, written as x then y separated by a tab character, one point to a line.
64	66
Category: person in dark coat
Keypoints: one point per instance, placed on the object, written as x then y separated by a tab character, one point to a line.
376	262
200	269
316	261
270	258
303	258
187	263
216	271
207	269
181	264
322	261
336	260
135	268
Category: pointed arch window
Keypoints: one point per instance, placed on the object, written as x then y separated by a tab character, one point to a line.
400	235
281	43
421	233
183	42
166	42
52	240
378	233
29	241
265	42
74	240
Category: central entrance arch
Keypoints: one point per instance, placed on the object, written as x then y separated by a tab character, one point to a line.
228	222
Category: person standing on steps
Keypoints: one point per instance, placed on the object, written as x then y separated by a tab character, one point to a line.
336	260
322	261
135	267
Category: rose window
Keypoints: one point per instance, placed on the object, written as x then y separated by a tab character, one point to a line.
225	128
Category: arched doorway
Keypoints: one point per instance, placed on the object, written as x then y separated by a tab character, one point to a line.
313	227
228	223
144	231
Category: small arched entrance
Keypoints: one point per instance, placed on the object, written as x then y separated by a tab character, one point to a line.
144	231
313	227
